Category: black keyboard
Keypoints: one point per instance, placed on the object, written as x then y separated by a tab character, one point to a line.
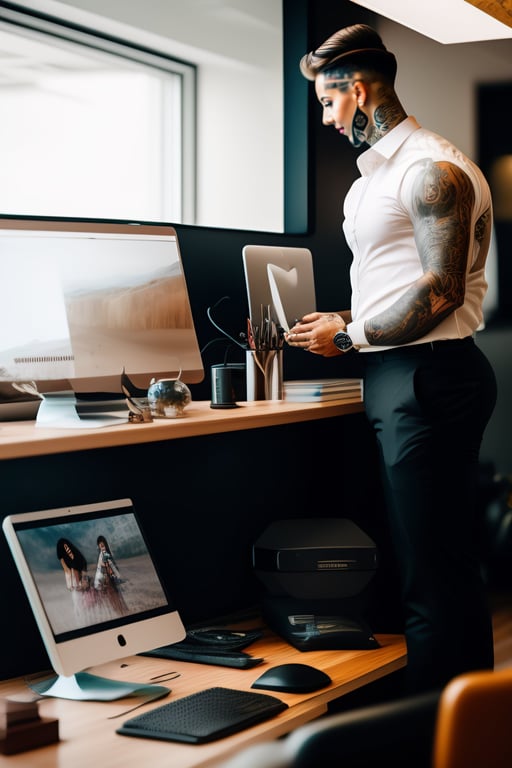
211	645
201	654
204	716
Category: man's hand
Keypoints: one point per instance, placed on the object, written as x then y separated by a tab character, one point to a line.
315	332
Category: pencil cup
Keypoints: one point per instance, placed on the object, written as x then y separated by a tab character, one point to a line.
264	372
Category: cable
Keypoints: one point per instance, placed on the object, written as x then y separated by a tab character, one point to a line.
212	341
224	333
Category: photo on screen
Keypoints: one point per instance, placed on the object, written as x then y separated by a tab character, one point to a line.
90	572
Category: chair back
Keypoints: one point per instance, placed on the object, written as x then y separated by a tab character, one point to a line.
474	721
398	732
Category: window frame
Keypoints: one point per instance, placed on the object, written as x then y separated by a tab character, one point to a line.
13	16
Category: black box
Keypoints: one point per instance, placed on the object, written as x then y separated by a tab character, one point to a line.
316	572
320	558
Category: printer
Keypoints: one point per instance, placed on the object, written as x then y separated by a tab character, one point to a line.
315	573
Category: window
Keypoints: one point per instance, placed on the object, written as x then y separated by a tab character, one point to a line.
91	126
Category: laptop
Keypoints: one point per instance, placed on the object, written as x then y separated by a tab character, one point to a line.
281	278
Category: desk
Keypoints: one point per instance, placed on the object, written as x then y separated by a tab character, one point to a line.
22	438
88	738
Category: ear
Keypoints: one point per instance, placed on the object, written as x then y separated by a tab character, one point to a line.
361	93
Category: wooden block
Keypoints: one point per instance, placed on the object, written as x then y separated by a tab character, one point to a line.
29	735
16	711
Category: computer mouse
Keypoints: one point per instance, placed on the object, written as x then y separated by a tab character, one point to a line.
292	678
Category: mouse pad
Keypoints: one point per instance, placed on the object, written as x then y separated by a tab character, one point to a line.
204	716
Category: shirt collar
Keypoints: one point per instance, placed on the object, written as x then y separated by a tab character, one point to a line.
385	147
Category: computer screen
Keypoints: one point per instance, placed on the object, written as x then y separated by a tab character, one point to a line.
92	583
280	278
84	300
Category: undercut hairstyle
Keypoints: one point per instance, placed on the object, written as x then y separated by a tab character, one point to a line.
358	47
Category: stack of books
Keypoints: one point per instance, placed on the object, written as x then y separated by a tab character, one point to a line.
320	390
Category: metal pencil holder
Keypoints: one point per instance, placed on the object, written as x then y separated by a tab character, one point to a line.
264	371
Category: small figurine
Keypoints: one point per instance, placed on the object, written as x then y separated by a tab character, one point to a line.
136	400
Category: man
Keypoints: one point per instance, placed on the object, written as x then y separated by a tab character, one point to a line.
418	222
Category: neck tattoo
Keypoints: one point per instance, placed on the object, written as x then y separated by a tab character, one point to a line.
385	117
359	124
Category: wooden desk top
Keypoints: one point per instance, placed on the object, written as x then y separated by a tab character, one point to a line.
88	738
19	439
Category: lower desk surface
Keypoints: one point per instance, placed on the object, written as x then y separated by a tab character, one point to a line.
87	735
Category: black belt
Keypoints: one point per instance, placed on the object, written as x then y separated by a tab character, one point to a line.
444	346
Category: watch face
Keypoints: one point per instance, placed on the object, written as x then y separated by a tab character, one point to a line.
343	341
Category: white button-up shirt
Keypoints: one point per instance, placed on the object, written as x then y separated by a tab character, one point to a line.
379	231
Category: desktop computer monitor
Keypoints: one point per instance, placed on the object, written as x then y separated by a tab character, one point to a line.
85	300
93	587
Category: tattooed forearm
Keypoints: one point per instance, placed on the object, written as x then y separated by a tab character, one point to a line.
419	310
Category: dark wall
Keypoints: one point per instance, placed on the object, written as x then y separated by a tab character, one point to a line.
203	501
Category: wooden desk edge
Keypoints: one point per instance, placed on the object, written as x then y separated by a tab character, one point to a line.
22	439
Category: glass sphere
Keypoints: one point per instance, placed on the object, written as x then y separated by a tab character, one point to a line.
168	398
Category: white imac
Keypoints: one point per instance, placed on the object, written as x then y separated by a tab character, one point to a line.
85	300
94	589
279	277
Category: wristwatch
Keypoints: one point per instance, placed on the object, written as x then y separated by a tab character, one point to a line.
343	341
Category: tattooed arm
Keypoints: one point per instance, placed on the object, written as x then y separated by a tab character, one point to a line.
443	199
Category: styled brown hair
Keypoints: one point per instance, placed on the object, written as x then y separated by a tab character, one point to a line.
357	45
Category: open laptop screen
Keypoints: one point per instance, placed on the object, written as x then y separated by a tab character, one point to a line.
281	278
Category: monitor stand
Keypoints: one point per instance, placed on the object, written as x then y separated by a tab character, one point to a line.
83	686
64	410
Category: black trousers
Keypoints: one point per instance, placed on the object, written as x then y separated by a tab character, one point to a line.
429	405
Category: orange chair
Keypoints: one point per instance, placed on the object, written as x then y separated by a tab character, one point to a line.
474	721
